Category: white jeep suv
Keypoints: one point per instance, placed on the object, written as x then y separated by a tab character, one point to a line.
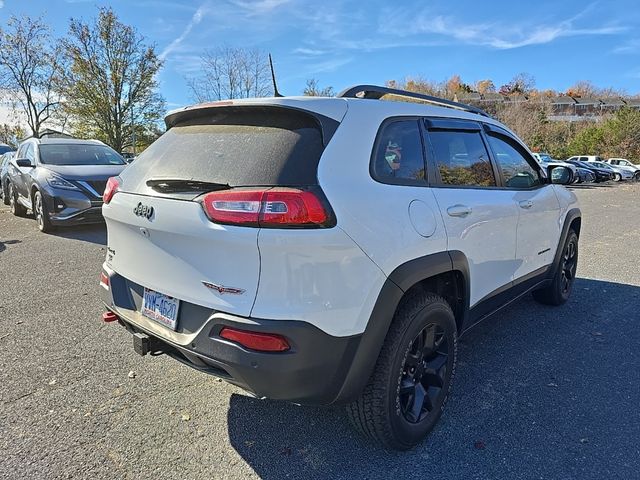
332	250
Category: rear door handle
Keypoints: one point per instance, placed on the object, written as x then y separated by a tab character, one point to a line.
525	204
459	210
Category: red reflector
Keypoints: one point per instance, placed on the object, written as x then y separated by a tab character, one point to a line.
104	279
264	342
271	207
109	317
110	189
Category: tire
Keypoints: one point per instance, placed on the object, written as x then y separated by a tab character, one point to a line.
41	213
5	193
617	177
417	362
558	292
636	176
17	209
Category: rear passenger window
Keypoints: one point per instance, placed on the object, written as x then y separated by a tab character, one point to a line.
398	157
462	158
516	171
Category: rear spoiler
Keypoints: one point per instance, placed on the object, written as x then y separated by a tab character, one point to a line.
328	126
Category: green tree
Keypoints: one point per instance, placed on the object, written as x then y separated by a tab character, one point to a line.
587	142
621	134
11	134
109	85
28	65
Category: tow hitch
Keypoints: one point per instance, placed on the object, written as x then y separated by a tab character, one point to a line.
143	344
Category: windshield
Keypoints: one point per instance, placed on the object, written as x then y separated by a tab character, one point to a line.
586	165
79	154
602	165
546	158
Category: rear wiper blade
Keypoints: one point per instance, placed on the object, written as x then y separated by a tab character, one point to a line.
184	185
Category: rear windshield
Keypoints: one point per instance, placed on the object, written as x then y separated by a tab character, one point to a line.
238	146
78	154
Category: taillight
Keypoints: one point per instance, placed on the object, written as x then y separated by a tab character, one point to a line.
110	189
104	280
263	342
268	207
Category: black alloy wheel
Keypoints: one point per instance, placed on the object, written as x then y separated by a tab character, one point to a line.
423	374
569	265
559	290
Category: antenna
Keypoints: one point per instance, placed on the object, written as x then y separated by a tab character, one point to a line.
276	93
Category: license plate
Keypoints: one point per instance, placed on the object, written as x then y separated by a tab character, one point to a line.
160	307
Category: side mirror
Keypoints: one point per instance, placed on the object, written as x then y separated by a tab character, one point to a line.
560	174
24	162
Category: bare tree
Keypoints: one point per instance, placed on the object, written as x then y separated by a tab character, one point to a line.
232	73
313	89
28	66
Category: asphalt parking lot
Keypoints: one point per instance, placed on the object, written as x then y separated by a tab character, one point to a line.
540	392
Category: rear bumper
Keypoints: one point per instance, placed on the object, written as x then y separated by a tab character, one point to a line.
312	372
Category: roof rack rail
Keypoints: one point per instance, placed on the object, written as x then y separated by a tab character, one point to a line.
376	92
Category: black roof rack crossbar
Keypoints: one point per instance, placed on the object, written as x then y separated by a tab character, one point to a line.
375	92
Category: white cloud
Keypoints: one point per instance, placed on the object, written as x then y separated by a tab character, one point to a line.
195	20
632	46
309	52
496	35
256	7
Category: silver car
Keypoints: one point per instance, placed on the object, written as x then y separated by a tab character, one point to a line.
618	172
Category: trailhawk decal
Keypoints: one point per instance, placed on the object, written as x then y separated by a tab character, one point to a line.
221	289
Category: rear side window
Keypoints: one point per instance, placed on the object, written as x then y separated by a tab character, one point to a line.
462	158
399	157
238	146
516	171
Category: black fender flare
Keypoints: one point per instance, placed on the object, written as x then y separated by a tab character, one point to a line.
397	283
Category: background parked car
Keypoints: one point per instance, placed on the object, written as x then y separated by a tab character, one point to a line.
546	160
584	175
128	157
587	158
61	180
619	173
624	163
602	175
4	148
4	170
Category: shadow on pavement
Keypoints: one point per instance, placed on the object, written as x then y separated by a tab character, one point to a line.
4	243
588	186
540	392
86	233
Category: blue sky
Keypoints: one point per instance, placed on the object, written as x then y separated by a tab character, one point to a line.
346	42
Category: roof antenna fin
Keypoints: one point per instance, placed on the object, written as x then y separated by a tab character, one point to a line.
276	93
